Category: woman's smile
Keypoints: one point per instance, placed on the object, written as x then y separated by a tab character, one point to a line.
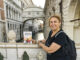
54	24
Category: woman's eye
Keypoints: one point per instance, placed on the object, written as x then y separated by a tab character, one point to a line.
55	21
51	22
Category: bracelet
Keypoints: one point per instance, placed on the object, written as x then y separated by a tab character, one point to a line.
41	42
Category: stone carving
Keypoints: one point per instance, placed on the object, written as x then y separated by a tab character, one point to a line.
11	36
40	56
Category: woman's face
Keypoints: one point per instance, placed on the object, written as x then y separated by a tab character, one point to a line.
54	24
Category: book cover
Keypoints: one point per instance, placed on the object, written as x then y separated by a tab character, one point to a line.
27	36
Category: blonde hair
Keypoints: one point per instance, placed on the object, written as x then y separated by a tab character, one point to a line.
54	16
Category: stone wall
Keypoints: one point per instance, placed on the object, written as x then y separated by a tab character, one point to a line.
69	11
2	31
15	51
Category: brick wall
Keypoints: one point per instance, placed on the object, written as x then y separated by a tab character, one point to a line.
2	11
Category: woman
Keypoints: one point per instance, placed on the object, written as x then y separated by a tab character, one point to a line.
53	45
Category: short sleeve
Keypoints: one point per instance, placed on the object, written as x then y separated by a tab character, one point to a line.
60	39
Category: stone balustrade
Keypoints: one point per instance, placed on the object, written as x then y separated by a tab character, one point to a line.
15	51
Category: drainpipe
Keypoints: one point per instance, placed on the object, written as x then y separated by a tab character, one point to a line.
61	11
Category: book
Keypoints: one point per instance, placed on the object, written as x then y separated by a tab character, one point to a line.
27	36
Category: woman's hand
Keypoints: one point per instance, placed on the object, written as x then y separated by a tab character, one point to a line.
40	44
33	41
43	41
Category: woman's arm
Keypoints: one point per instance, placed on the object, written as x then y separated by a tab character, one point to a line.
53	47
35	41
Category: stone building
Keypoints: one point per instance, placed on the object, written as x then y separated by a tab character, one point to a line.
69	10
2	21
70	14
33	12
29	3
13	11
26	3
13	18
32	17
